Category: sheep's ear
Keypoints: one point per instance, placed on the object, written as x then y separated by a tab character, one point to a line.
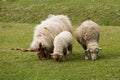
100	48
86	50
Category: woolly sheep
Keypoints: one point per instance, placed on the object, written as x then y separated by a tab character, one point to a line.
88	36
62	42
45	33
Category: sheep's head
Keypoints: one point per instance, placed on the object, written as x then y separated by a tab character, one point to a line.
93	52
41	52
56	57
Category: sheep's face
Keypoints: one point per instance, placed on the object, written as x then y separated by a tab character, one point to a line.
93	52
56	57
41	52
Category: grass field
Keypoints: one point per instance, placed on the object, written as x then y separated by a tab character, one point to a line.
104	12
16	65
18	19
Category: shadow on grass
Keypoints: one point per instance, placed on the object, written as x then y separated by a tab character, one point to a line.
77	57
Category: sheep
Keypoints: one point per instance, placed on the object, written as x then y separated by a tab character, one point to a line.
62	42
45	33
88	36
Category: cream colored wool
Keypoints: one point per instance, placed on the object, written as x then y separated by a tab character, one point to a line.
45	32
87	34
62	41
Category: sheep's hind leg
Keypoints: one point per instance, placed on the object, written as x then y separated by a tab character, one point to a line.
86	52
70	51
65	53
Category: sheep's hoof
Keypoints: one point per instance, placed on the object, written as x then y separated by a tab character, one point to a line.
86	58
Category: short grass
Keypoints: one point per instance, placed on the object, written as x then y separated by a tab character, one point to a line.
16	65
104	12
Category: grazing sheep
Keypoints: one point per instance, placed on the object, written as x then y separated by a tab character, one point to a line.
62	42
45	33
88	36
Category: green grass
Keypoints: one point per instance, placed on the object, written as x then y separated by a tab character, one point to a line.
17	21
16	65
104	12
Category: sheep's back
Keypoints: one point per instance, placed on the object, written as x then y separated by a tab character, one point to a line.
88	31
51	27
63	39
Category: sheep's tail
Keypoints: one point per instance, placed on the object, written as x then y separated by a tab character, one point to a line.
23	49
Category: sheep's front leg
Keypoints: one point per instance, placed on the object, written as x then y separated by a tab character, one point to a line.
65	53
70	50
